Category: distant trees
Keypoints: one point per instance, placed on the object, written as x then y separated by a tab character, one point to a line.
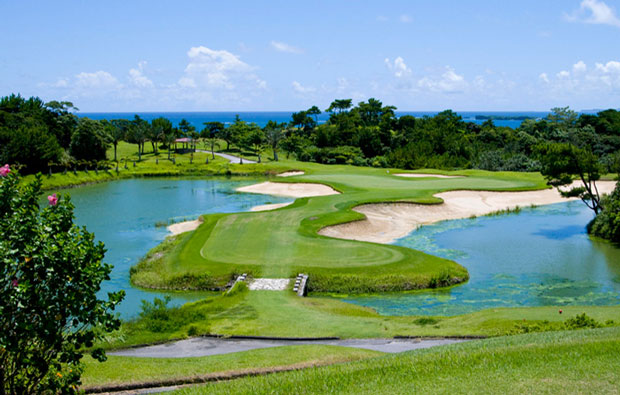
117	130
274	134
340	105
88	141
211	133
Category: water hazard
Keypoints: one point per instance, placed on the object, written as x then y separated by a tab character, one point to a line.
539	257
129	216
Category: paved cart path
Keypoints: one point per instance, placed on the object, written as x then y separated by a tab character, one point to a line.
203	346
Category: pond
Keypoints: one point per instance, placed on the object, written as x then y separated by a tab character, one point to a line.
129	217
539	257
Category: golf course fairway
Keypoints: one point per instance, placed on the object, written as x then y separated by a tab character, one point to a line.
283	242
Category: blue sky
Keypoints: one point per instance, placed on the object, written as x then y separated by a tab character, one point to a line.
289	55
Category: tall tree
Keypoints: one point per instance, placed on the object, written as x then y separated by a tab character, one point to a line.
340	105
314	110
138	134
561	162
51	273
117	132
210	135
273	136
89	141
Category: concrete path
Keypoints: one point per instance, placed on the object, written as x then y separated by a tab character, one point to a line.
203	346
231	158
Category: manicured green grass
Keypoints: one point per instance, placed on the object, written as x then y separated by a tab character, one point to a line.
583	361
285	242
270	313
158	165
129	370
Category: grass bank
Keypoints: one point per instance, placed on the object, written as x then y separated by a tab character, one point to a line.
283	314
584	362
131	370
156	165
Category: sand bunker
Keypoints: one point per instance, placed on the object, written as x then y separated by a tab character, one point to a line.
268	207
386	222
183	227
295	190
418	175
291	174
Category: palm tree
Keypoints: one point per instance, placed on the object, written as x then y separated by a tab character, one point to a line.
169	139
273	137
117	132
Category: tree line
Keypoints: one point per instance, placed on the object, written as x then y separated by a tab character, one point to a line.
38	134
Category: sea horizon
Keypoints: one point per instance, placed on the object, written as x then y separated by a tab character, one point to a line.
198	118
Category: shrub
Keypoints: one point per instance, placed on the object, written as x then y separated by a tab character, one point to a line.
51	271
607	223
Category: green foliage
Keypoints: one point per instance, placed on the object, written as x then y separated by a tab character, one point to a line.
423	321
32	146
89	141
157	317
238	288
607	223
51	271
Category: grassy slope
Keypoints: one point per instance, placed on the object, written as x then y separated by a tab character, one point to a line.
269	313
148	166
284	242
125	370
584	361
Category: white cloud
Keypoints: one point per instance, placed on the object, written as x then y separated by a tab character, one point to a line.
563	74
137	77
61	83
382	18
448	82
595	12
611	67
97	81
580	67
208	68
299	88
404	18
544	78
284	47
587	83
398	67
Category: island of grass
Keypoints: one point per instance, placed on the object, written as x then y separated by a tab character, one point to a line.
285	242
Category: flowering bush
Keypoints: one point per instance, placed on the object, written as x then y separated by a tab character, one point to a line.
50	273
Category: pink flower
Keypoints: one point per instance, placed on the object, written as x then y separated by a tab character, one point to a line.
5	170
52	199
15	283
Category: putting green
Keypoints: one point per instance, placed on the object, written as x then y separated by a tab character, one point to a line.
284	242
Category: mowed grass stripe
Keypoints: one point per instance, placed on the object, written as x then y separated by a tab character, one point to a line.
582	361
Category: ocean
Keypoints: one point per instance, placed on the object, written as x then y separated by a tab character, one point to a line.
197	119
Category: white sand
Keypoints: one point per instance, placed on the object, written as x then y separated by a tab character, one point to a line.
183	227
419	175
268	207
291	174
295	190
386	222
